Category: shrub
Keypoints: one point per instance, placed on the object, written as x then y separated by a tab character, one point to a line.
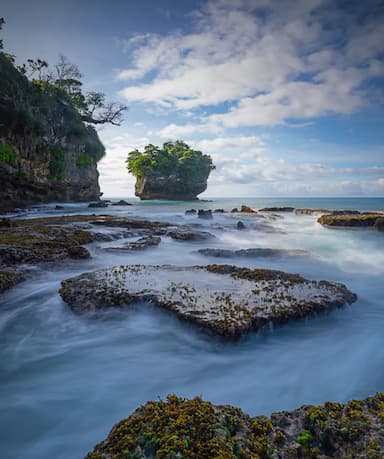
57	164
7	155
84	160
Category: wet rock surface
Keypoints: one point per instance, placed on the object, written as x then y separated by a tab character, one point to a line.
366	220
140	244
226	300
51	239
277	209
8	279
205	214
196	429
243	209
253	252
122	202
189	234
98	204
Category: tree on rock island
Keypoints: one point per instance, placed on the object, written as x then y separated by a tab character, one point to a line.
175	171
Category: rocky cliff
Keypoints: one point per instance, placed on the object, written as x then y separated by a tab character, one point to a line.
173	186
46	152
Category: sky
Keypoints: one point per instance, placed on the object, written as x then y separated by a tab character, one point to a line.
286	95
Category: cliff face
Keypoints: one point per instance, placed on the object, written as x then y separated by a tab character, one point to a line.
174	187
46	152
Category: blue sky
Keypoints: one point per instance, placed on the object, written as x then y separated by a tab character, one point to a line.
287	96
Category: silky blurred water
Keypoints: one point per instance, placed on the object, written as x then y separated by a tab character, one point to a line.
66	379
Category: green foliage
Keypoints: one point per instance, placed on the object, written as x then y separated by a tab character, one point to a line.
57	164
85	160
304	438
7	155
22	175
77	129
173	158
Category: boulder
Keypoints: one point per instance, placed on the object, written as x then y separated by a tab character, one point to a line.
206	214
240	225
190	212
225	300
187	234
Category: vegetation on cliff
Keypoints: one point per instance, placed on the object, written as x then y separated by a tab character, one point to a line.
175	170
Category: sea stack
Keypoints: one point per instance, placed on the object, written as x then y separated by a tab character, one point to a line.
174	172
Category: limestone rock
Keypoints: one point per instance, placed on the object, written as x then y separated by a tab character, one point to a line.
253	253
188	234
226	300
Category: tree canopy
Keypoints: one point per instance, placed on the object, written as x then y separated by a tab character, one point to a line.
173	158
65	78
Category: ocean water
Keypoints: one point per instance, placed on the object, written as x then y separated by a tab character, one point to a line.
65	379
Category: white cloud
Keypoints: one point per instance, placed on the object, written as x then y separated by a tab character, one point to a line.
239	146
174	131
287	63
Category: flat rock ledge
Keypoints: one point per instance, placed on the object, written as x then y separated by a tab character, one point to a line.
53	239
255	252
196	429
368	220
226	300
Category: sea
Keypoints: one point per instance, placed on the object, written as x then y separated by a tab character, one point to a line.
66	379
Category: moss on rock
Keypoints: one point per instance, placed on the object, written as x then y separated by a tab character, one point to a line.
225	300
196	429
354	221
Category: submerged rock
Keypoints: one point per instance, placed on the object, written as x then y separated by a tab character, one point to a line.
8	279
253	252
226	300
97	204
206	214
277	209
196	429
240	225
379	224
187	234
308	211
140	244
121	203
190	212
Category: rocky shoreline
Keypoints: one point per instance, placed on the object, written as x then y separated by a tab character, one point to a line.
226	301
196	429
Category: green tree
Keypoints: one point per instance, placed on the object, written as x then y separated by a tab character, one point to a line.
173	158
